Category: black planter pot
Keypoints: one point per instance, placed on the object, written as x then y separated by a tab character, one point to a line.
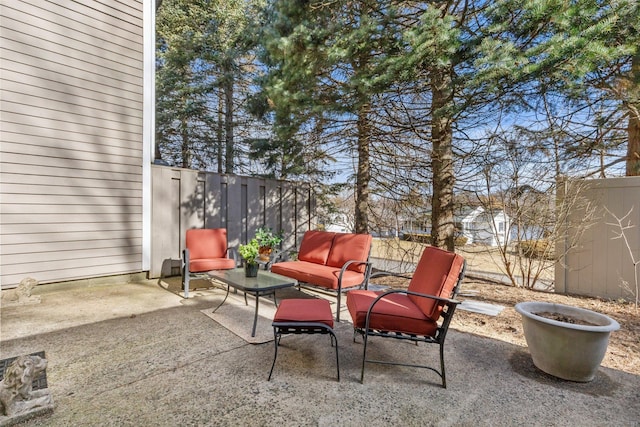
251	270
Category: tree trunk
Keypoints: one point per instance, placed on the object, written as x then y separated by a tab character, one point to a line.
219	142
228	121
442	222
186	149
364	171
633	128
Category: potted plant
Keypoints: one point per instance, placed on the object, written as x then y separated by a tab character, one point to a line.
564	341
267	241
249	253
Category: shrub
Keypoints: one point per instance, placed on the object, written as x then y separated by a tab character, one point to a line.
417	237
460	241
541	248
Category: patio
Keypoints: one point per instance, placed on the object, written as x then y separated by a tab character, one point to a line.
136	354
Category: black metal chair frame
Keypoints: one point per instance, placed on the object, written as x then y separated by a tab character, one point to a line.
450	305
284	328
188	275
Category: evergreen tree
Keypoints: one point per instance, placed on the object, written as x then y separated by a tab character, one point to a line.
323	60
203	72
586	50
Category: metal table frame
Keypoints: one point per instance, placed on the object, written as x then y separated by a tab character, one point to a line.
265	284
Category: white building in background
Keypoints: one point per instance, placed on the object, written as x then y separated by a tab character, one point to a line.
488	228
339	223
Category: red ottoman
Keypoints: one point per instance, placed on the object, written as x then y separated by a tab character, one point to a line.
303	316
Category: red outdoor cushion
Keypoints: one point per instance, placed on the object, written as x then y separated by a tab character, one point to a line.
304	310
394	313
199	265
316	274
315	246
349	246
208	249
436	274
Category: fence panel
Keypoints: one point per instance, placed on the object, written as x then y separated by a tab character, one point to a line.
184	199
598	264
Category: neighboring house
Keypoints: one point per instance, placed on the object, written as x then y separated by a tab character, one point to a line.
339	223
480	227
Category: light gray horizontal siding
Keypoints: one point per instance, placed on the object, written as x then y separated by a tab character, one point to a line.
71	106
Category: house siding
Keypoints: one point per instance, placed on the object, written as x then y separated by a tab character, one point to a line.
71	118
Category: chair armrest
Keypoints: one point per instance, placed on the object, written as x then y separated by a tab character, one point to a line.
367	271
418	294
185	260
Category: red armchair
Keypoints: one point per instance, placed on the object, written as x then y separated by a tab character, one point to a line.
415	313
205	250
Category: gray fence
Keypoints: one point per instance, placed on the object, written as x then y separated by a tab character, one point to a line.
184	199
593	261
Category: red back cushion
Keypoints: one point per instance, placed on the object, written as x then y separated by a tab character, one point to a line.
207	243
436	274
315	246
348	246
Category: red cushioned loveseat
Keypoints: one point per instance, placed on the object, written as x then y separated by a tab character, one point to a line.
334	261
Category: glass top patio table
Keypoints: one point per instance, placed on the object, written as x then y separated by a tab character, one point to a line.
265	283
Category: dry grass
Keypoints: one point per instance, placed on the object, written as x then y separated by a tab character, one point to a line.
623	352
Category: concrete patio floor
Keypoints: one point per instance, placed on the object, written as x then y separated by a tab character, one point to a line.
137	355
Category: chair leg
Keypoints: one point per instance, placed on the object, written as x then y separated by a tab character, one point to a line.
334	338
185	272
277	335
444	378
276	341
364	357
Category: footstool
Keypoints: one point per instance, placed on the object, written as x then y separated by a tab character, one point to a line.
303	316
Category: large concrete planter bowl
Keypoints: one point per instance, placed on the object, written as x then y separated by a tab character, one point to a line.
565	350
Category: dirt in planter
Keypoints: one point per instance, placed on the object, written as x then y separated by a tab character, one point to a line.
564	318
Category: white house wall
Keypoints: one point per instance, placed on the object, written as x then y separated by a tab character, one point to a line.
71	115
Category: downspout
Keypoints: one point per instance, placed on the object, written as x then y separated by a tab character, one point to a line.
149	123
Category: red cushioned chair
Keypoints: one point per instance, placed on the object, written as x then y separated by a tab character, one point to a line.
205	250
331	261
421	313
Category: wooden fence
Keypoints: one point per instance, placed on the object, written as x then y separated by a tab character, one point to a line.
184	199
593	262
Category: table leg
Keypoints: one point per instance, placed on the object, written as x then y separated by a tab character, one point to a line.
225	298
255	316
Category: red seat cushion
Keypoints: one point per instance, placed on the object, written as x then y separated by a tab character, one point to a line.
436	274
394	313
316	274
304	310
199	265
315	246
349	246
